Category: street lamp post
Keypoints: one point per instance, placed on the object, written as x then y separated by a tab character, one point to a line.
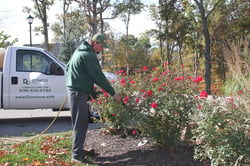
30	20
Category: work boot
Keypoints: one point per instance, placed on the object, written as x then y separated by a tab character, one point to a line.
85	160
88	152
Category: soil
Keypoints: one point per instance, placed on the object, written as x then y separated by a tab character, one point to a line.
120	150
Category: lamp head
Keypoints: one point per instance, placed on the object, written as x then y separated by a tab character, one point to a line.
30	19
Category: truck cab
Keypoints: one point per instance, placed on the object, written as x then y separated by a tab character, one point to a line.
32	78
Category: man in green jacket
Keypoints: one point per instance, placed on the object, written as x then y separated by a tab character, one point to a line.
83	70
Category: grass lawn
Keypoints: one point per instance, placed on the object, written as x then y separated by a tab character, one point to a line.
45	150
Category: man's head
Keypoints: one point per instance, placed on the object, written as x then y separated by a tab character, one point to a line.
100	39
98	43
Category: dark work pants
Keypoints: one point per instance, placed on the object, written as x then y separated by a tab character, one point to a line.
79	118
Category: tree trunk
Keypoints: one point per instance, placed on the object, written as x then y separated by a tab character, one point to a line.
45	27
127	25
196	56
207	55
207	47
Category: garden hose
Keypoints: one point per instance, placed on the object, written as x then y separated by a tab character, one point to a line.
45	130
53	121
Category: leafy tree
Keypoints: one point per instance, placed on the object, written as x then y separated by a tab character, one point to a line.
174	27
158	33
194	40
230	23
138	50
40	11
66	6
67	49
126	8
4	43
71	26
141	51
182	28
121	48
93	10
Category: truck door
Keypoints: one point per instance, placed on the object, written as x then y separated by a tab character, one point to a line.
37	81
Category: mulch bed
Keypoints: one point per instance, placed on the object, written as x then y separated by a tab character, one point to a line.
118	150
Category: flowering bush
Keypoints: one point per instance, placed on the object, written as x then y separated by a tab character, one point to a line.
167	115
223	132
156	103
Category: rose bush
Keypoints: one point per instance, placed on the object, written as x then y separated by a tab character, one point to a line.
156	103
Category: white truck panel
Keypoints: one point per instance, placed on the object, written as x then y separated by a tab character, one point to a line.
29	83
6	78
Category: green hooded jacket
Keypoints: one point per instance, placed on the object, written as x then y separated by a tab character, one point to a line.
83	70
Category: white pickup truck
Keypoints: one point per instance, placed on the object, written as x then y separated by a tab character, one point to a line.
32	78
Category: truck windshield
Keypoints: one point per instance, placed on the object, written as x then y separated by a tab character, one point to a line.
55	58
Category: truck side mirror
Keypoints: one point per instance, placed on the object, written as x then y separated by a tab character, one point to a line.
55	69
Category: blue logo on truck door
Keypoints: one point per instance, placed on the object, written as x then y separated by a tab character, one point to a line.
25	81
34	81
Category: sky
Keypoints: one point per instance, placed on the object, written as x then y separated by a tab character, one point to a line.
13	21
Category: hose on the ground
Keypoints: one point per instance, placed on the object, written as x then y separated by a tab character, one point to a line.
45	130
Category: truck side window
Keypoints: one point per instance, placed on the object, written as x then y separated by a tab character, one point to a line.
35	61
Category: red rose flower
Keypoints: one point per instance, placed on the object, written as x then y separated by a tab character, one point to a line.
126	99
150	93
155	79
177	78
106	94
197	79
153	105
203	94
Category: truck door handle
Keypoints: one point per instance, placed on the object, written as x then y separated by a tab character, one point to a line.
14	80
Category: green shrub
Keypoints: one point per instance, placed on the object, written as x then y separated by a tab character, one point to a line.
223	132
165	122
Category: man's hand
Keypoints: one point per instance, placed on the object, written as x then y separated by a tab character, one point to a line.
117	97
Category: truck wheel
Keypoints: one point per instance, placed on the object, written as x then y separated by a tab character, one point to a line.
93	113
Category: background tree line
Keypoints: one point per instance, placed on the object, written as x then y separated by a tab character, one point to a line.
194	33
